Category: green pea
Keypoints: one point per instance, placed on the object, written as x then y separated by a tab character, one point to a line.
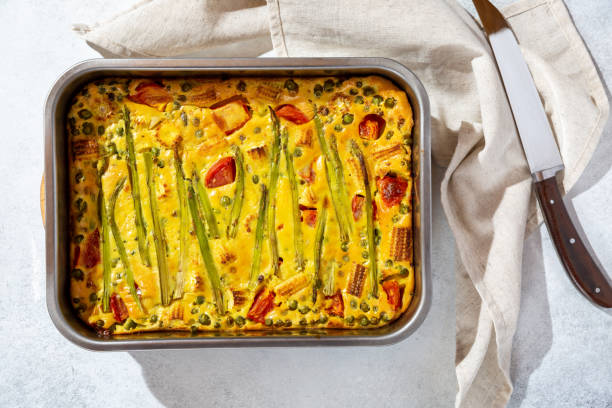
196	122
345	258
79	238
200	299
389	102
160	164
389	134
359	99
395	218
363	243
377	240
404	209
292	304
81	308
184	118
291	85
364	307
129	325
368	90
297	152
241	86
377	99
229	321
374	320
288	323
84	114
226	201
199	133
388	263
101	130
344	246
268	321
153	318
87	128
304	309
353	303
384	317
364	254
195	310
217	325
182	98
77	274
358	84
303	321
194	329
120	132
338	128
323	319
347	118
240	321
364	321
255	179
204	319
257	130
318	90
76	301
79	177
375	309
186	87
328	85
100	323
350	320
353	91
404	271
93	297
279	323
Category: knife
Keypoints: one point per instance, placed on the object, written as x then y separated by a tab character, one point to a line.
543	157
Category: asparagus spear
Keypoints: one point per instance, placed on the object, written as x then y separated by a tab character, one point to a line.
129	274
232	227
273	186
204	206
334	181
297	225
143	247
259	231
343	195
105	239
184	226
158	235
318	249
209	263
356	151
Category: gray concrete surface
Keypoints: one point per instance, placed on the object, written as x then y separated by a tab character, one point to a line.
563	348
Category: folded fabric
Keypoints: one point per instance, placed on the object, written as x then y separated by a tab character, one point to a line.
486	192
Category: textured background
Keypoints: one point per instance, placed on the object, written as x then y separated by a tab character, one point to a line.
562	353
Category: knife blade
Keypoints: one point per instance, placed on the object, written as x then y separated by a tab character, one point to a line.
543	157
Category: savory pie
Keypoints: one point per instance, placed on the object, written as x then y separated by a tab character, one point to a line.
240	203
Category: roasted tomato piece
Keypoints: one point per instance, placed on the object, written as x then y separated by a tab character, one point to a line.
231	114
120	311
262	305
292	114
91	257
309	215
357	206
151	94
336	308
392	190
371	126
392	290
221	173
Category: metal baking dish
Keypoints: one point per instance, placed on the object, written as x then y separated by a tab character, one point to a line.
57	200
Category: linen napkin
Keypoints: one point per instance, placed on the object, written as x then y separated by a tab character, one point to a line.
486	192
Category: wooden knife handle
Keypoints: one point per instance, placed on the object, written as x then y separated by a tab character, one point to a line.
570	244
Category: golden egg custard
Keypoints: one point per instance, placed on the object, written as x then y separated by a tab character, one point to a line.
237	204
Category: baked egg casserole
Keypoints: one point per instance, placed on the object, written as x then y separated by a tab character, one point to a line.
229	204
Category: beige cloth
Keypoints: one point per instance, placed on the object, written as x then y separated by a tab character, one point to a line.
486	192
